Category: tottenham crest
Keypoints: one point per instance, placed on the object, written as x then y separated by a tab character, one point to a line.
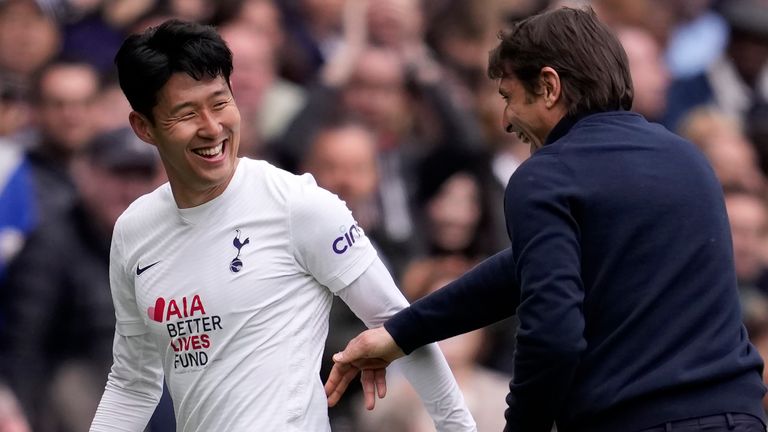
237	264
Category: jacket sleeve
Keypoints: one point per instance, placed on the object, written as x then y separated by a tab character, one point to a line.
550	340
486	294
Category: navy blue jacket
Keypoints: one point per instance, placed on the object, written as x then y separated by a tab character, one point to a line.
621	271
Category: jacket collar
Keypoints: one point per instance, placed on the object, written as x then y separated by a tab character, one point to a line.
564	125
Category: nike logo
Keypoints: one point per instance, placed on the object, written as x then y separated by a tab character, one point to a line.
140	269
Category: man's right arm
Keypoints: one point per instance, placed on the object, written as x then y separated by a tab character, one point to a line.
484	295
135	382
133	388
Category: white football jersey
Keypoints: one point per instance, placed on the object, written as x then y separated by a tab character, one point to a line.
236	293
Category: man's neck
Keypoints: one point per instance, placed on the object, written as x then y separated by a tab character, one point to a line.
188	198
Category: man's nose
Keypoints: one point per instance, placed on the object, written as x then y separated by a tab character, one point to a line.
210	126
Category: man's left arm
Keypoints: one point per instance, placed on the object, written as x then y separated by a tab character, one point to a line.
329	246
550	339
374	297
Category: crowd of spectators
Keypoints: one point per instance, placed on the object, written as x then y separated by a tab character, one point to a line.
387	104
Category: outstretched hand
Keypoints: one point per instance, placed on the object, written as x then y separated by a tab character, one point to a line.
370	352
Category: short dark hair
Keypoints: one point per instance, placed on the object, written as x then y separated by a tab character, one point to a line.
146	61
591	63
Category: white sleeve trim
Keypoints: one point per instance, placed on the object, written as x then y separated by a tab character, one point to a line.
127	316
354	271
131	328
374	297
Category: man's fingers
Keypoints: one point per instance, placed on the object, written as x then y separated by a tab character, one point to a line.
380	377
375	343
369	388
353	352
338	381
374	384
339	358
371	352
370	363
335	377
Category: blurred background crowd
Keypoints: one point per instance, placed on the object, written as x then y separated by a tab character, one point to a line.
387	104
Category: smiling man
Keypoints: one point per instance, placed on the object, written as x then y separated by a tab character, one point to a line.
222	279
620	266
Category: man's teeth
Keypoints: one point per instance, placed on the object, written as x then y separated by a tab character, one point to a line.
210	151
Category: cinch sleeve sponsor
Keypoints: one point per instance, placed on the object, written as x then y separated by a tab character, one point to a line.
327	242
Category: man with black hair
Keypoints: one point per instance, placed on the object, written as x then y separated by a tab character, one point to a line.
222	279
620	267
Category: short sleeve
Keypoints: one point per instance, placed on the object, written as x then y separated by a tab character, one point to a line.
129	320
326	239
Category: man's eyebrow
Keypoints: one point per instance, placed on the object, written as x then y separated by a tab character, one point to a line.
175	110
217	93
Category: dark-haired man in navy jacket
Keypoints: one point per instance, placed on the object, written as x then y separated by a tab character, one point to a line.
620	266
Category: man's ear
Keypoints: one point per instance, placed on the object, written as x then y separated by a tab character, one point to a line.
549	82
141	127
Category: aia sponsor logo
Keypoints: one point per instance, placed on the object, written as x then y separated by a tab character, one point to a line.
189	328
175	309
348	238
